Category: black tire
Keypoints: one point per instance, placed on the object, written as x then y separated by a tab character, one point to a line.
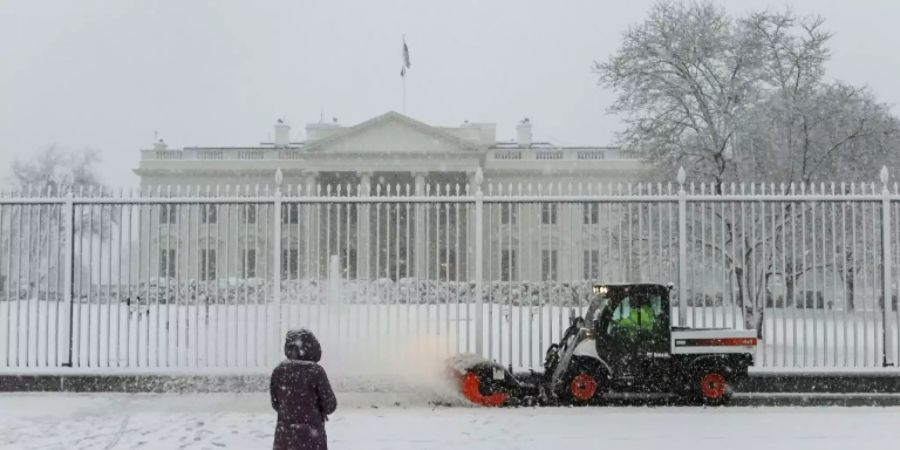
711	386
583	386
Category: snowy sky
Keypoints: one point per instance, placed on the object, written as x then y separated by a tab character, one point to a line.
106	74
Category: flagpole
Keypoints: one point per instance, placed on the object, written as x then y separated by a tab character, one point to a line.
404	94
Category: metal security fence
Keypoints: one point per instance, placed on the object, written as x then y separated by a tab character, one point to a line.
210	278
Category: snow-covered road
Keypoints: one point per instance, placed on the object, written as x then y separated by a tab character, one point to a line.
382	421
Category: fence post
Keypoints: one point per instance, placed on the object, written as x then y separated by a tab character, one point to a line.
68	282
682	247
887	301
276	249
479	263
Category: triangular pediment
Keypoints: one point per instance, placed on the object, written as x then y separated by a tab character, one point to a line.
391	133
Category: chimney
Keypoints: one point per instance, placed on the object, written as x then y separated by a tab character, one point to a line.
523	133
282	133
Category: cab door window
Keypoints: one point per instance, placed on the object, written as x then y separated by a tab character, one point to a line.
638	324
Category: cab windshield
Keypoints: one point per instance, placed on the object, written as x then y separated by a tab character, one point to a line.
598	302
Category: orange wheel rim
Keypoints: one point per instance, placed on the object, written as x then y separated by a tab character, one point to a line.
713	386
583	387
471	387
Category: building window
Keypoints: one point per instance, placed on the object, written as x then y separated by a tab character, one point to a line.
548	213
290	214
209	213
167	263
591	213
591	266
207	264
167	214
508	265
248	213
248	263
509	214
548	264
290	262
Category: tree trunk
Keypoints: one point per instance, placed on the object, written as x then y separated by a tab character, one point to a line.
742	303
789	297
849	281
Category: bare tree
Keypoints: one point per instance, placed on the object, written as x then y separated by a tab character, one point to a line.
37	232
739	100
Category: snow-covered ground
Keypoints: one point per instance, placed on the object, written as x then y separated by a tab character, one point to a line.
384	421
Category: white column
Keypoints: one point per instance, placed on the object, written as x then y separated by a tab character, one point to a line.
312	211
479	263
682	247
363	229
474	183
275	314
421	264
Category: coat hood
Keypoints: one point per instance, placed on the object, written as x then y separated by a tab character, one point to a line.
302	345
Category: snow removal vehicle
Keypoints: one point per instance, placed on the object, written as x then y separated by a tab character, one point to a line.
625	345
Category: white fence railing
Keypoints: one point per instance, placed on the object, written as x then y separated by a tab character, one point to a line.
211	278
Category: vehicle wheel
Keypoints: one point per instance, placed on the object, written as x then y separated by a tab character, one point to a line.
582	388
713	387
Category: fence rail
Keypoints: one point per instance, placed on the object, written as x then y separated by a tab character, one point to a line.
199	277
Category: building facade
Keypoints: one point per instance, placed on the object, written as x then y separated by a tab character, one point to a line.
389	155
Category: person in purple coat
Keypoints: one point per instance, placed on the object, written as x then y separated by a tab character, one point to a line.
301	394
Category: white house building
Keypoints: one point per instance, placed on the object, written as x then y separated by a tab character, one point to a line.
380	156
388	149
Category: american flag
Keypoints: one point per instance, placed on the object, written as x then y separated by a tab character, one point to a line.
405	65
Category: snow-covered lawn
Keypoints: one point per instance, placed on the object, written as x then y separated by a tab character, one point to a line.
384	421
